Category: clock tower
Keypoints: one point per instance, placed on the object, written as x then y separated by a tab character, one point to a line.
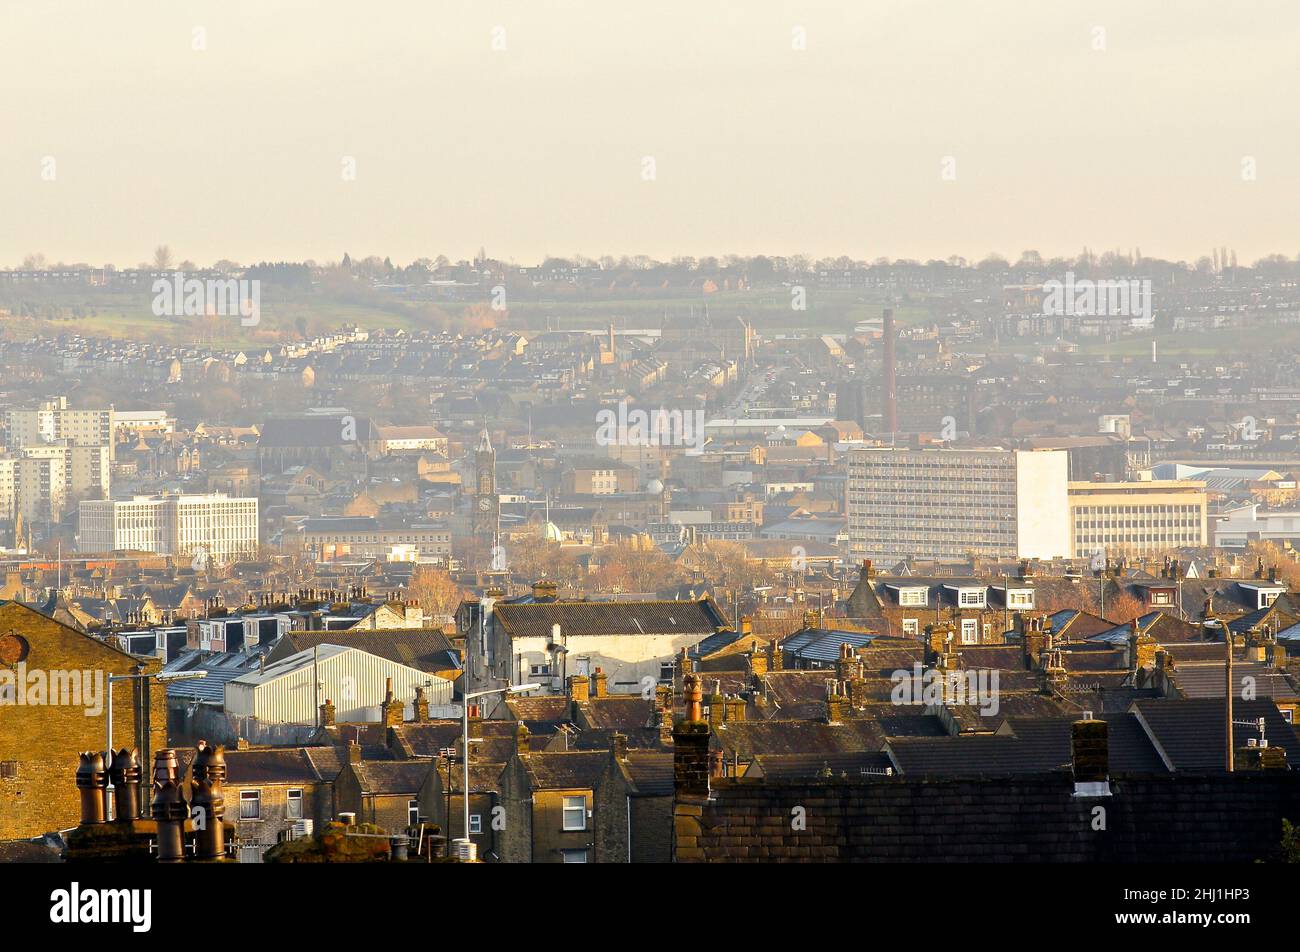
487	505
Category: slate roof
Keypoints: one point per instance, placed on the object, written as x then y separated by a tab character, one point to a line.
601	738
1074	624
552	707
971	755
617	711
750	738
1189	733
490	740
392	776
1207	679
565	770
1130	749
823	644
864	764
312	432
650	773
280	765
575	619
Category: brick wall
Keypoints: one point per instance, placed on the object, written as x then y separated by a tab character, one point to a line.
433	807
515	842
550	838
317	806
39	744
1227	818
652	829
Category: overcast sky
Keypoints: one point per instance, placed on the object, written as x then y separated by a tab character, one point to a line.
239	150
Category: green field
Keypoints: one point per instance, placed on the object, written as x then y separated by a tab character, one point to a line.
286	314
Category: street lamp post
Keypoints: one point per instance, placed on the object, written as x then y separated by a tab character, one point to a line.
464	724
139	675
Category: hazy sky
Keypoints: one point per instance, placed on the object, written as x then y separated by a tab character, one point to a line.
238	150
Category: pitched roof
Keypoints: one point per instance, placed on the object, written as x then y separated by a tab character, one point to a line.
392	776
565	770
651	773
575	619
426	649
1189	734
857	764
280	765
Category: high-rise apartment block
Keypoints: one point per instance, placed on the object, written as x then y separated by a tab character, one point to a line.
54	422
947	503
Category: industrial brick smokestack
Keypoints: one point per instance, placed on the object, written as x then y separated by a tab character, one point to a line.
890	371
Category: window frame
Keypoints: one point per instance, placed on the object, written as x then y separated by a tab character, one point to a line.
566	809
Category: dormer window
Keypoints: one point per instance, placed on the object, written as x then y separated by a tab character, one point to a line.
1020	598
971	598
1265	594
914	596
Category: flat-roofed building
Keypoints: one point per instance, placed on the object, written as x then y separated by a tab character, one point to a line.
54	421
1136	518
214	526
329	538
950	503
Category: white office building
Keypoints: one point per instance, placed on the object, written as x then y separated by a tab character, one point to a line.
214	526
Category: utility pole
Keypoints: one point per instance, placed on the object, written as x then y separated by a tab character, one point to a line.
1227	694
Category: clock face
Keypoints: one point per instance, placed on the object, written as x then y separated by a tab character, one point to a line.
485	504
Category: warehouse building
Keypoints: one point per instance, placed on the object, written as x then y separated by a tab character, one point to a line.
293	691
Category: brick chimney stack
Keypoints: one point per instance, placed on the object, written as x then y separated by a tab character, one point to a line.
663	716
421	706
327	714
391	710
1089	753
717	709
849	665
691	747
775	656
600	683
1034	638
579	687
837	704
